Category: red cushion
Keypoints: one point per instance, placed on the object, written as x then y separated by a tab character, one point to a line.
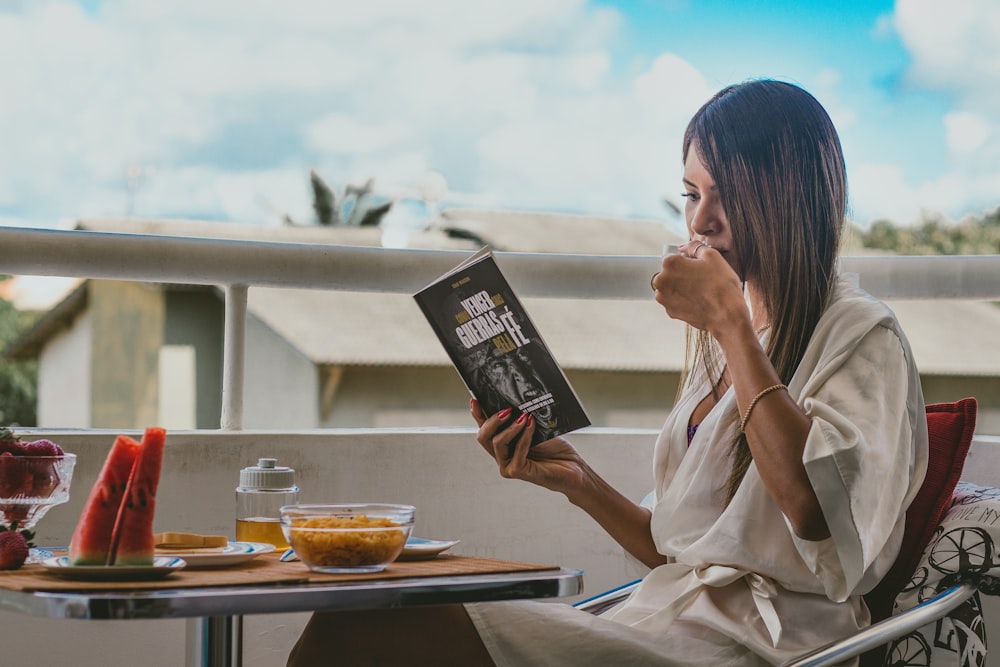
950	427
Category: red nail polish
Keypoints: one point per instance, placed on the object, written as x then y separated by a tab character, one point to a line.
503	414
520	420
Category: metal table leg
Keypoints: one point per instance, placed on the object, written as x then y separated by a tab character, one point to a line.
214	641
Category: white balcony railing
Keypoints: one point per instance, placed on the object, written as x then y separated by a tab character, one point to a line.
238	265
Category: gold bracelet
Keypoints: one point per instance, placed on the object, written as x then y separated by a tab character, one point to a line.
762	394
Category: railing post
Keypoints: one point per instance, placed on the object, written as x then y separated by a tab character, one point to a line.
234	358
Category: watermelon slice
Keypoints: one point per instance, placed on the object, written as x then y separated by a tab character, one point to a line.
91	540
132	540
116	526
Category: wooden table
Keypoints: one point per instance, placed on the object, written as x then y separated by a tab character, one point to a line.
215	600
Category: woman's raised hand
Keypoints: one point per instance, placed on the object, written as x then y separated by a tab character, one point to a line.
698	286
553	464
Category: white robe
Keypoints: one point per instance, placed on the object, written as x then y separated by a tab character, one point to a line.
740	588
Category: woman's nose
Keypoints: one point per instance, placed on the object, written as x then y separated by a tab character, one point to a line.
706	220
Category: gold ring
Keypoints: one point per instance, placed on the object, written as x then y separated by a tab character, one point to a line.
651	285
700	246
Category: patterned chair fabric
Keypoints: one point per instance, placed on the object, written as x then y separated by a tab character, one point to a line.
965	544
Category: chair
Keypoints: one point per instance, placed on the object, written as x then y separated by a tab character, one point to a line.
950	429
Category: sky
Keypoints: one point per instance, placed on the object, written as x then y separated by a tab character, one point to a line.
218	109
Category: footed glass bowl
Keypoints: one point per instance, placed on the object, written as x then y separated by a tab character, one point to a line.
30	485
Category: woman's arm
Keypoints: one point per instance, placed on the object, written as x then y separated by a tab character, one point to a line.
557	466
776	431
705	292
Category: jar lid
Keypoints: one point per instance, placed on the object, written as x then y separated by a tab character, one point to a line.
267	475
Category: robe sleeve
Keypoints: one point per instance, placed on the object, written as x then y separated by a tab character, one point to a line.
863	460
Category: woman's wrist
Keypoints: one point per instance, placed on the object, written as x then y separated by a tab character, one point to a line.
734	331
585	488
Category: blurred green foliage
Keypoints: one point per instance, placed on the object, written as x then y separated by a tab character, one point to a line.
355	208
936	236
18	379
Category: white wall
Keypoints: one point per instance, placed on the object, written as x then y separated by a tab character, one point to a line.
178	387
281	385
64	377
454	485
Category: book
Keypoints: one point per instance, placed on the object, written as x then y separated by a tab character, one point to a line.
496	348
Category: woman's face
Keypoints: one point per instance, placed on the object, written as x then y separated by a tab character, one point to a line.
706	221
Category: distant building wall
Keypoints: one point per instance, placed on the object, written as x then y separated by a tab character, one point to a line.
626	399
281	385
391	396
64	377
196	317
128	322
985	389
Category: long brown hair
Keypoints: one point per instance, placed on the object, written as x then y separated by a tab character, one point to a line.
777	162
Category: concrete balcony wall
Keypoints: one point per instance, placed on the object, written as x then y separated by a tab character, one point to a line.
454	485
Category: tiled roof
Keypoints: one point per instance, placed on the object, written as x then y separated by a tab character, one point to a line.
388	329
947	337
952	337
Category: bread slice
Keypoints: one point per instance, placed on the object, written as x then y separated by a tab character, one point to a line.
175	540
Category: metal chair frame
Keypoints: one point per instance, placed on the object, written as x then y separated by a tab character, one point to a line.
839	651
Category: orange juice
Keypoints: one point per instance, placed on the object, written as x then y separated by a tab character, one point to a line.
261	529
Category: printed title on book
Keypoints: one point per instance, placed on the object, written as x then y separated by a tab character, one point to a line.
481	319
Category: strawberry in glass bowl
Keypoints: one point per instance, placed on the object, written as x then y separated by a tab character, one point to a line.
34	476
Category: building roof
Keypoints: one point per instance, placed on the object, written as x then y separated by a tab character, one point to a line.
952	337
352	328
389	329
30	343
530	231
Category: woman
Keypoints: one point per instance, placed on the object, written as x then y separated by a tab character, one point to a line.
786	466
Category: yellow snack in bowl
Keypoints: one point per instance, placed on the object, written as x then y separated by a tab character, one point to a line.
315	543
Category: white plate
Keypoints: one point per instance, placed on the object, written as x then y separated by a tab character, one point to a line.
417	548
232	554
161	567
38	555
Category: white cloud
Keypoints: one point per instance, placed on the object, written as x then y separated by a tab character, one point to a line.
827	83
966	132
954	46
220	99
880	191
954	50
513	100
340	133
516	102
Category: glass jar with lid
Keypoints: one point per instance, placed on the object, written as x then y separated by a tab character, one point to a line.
263	489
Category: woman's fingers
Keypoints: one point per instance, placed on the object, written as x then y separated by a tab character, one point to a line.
508	444
477	411
512	453
500	443
490	427
693	248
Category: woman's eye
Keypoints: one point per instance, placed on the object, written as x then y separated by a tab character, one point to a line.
690	196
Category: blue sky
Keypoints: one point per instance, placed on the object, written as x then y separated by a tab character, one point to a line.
796	41
219	109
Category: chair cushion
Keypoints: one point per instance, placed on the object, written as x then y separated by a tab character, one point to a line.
965	543
950	427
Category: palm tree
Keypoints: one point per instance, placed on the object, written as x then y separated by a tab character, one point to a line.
354	208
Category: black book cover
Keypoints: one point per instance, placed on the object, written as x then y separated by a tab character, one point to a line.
496	348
